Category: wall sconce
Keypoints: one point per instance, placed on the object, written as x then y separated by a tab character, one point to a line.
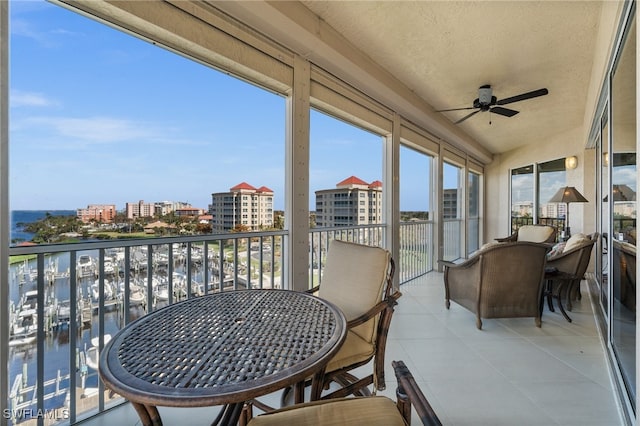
571	163
606	159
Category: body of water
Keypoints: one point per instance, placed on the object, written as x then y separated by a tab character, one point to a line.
18	234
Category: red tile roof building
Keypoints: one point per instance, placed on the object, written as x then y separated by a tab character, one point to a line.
352	202
244	205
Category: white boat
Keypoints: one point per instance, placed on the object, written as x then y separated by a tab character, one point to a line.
161	292
29	300
86	266
24	327
136	294
109	266
92	355
63	311
19	340
108	290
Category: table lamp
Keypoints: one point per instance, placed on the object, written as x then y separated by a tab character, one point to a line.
567	195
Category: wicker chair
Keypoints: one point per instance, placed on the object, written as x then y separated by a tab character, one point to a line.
624	267
573	259
359	411
503	280
533	233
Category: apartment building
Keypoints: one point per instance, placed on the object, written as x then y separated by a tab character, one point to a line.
190	212
139	209
243	205
103	213
159	208
352	202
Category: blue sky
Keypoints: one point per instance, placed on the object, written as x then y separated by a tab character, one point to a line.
98	116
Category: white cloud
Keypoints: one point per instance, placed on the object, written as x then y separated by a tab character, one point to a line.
20	99
97	129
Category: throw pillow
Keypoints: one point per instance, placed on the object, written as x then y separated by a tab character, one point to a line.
556	250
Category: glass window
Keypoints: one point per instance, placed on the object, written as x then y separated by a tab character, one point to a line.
522	190
551	177
161	130
452	205
623	198
473	215
416	213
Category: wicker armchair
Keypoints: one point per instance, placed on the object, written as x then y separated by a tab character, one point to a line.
359	411
624	267
533	233
573	259
503	280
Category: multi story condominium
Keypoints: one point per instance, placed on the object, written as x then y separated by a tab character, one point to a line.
188	212
160	208
522	208
553	210
139	209
103	213
244	205
450	204
352	202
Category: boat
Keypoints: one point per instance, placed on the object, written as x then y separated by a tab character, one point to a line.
24	327
109	266
86	266
23	339
63	311
29	300
92	355
137	295
108	290
161	292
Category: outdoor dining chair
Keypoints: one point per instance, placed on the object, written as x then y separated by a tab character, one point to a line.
359	411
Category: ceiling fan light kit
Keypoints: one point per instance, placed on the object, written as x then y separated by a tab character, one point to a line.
486	101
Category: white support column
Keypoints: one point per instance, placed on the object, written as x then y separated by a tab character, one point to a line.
392	190
297	185
4	206
438	217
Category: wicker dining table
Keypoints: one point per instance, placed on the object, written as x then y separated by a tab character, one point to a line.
223	349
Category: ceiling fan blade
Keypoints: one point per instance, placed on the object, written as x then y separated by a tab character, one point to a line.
522	97
454	109
466	116
504	111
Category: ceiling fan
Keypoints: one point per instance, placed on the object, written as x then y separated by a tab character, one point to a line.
486	102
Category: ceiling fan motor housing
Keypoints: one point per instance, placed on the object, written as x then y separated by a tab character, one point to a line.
485	96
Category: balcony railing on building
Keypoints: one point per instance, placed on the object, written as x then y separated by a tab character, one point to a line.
69	299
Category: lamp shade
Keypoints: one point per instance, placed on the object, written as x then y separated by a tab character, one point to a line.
568	194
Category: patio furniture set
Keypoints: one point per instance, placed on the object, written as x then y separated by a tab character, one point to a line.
528	261
231	348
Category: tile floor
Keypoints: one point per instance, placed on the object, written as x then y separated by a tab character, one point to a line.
508	373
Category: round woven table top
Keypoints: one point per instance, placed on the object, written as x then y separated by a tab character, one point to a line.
222	348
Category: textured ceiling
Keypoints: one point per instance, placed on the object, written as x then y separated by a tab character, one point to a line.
445	50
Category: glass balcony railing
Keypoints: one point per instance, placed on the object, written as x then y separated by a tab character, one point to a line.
67	300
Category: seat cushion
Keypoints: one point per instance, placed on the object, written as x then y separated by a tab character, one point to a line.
353	278
354	349
534	233
366	411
